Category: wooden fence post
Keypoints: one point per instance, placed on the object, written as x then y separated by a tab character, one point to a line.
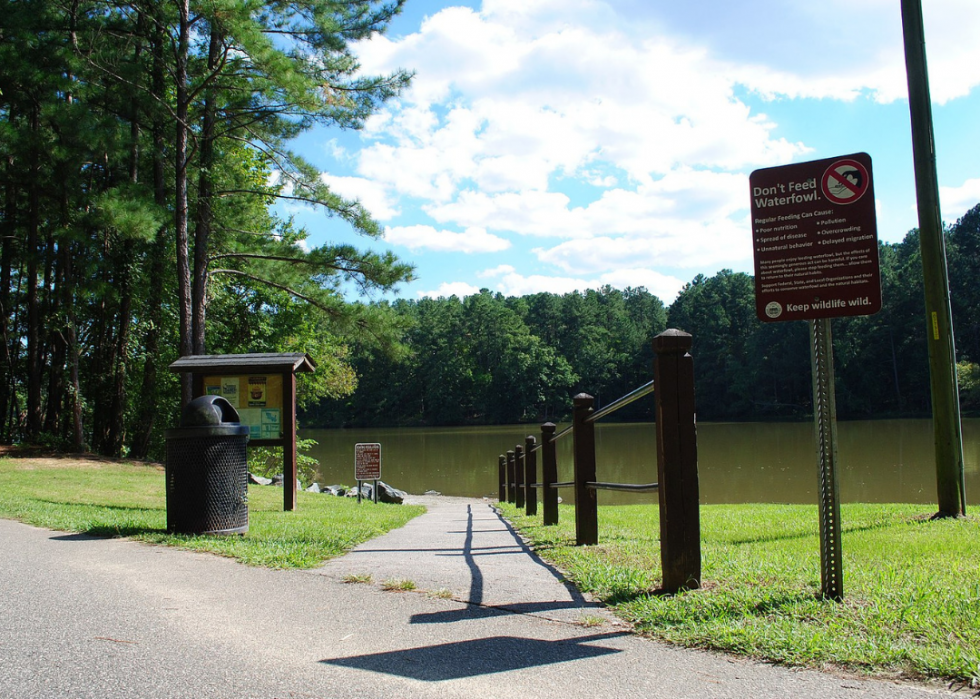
677	461
502	478
530	475
583	439
549	474
510	476
519	470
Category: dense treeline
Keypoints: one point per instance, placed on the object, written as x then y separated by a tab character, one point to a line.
491	359
141	146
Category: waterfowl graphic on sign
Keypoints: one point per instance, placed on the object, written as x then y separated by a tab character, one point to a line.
845	182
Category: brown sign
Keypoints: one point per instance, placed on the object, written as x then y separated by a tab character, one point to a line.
815	239
367	462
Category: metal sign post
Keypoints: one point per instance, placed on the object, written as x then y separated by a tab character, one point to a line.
825	426
815	239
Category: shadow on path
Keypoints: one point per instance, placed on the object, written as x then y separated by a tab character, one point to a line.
478	608
482	656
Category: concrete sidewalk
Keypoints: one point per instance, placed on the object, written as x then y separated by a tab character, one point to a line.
85	617
461	548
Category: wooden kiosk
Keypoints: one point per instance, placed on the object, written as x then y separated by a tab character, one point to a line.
262	388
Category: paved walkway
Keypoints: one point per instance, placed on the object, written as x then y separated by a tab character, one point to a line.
84	617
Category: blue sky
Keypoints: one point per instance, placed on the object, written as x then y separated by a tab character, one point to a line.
554	145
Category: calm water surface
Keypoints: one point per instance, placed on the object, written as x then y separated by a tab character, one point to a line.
881	461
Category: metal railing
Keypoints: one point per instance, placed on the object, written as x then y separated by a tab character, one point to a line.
677	484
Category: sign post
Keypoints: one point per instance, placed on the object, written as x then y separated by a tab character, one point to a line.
815	244
367	466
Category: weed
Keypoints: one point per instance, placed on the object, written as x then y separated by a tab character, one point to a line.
398	585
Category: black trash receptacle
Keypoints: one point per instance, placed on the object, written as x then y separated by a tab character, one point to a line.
207	470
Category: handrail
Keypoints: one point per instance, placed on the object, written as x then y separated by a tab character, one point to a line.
630	487
562	433
558	436
621	402
563	484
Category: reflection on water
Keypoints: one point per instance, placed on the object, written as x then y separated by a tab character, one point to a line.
881	461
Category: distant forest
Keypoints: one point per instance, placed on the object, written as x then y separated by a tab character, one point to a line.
490	359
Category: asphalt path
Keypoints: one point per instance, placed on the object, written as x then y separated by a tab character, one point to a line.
84	617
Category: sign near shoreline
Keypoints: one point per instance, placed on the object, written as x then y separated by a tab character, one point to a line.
367	462
815	240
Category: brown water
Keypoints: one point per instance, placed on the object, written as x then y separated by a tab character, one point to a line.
881	461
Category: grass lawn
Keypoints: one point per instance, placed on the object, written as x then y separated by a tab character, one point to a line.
911	586
107	498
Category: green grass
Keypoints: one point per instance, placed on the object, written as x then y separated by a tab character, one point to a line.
398	585
119	499
911	586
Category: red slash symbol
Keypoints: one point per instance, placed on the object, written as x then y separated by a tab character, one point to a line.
845	181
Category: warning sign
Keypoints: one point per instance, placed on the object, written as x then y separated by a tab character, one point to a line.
815	240
367	462
845	181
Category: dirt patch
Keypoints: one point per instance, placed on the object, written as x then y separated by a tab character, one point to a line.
34	458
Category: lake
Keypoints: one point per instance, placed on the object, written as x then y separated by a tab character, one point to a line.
880	460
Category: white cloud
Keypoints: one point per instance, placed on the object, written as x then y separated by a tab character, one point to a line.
533	100
529	213
371	194
514	284
511	283
663	286
666	217
473	240
460	289
497	271
683	244
956	201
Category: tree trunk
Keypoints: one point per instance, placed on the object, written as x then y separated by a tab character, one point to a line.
7	244
33	422
148	406
180	193
205	190
117	425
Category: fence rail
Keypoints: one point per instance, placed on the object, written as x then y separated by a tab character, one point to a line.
627	487
634	395
677	475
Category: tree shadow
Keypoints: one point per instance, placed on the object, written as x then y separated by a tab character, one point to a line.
482	656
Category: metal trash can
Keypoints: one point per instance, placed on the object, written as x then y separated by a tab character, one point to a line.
207	470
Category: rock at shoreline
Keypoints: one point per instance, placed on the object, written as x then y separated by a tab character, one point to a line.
389	494
386	493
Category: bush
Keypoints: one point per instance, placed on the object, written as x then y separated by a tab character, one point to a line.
267	461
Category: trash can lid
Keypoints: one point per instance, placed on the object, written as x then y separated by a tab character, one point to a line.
208	410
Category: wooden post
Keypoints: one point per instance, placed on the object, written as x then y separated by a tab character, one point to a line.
519	471
502	478
549	474
530	475
677	461
511	477
583	438
947	427
289	441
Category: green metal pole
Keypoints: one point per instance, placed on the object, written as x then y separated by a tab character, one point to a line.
950	476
